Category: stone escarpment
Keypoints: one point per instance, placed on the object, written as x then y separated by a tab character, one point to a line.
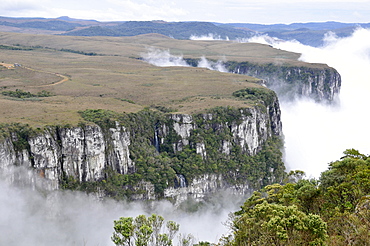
321	84
81	153
149	154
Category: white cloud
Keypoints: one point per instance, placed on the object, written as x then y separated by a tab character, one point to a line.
39	217
317	134
163	58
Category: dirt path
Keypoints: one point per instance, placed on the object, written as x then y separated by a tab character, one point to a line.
63	77
8	66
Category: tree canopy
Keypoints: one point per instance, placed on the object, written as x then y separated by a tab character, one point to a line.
147	231
333	210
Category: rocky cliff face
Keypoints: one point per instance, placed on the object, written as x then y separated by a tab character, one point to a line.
205	185
320	84
173	155
78	152
249	131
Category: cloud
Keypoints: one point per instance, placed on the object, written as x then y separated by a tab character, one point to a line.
20	8
211	65
210	36
317	134
34	216
163	58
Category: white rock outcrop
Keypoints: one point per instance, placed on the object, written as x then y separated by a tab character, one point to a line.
79	152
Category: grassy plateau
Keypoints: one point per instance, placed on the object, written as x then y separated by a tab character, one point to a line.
107	73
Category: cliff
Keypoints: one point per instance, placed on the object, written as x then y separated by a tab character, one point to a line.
149	154
321	83
81	153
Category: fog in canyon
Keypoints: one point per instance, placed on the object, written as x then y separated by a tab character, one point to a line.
39	217
315	134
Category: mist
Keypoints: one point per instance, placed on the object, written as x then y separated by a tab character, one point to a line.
208	37
163	58
317	134
217	66
35	216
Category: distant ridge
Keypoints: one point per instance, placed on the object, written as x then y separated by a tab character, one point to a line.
67	18
311	33
178	30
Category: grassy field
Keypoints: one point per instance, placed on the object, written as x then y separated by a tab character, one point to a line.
116	79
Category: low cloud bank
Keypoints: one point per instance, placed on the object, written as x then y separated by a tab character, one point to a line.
163	58
316	134
210	36
261	39
34	216
217	66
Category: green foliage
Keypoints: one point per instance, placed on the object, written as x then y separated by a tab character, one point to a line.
19	135
79	52
115	185
7	47
26	94
256	94
203	244
352	153
127	100
144	231
339	199
276	224
21	47
163	109
101	117
18	93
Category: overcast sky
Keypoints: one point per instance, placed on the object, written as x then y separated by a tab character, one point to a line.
245	11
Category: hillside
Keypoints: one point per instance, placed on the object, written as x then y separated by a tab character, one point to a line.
75	27
307	33
108	73
178	30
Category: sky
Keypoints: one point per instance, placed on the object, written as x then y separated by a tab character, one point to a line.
234	11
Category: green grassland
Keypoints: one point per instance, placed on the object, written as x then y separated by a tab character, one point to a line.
112	77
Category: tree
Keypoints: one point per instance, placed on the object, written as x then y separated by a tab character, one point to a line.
144	231
345	189
276	224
